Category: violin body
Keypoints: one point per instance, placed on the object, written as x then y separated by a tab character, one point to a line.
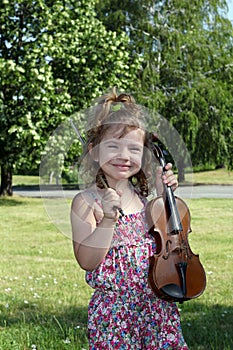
175	272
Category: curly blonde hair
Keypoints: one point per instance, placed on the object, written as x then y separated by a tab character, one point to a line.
109	111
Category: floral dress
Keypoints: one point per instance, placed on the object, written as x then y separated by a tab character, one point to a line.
123	312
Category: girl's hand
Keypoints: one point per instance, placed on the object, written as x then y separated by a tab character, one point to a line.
111	201
168	179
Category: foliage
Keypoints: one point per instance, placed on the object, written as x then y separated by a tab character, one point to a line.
187	68
55	57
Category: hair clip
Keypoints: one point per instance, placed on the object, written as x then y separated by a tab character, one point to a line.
116	107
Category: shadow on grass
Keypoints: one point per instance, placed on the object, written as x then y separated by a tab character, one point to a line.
203	327
207	327
48	330
9	202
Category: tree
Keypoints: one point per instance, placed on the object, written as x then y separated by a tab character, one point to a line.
55	56
186	72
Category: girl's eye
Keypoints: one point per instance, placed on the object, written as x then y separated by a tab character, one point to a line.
135	149
112	146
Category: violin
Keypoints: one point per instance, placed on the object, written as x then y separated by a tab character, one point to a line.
175	272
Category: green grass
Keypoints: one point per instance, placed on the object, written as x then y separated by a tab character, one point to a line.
44	298
43	294
25	180
220	176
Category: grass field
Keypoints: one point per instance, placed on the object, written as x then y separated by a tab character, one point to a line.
220	176
44	296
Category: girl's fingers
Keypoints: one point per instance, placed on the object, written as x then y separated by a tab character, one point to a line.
110	201
169	178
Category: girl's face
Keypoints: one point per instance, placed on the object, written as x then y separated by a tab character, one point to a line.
121	158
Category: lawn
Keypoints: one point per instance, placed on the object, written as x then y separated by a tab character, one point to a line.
44	296
214	177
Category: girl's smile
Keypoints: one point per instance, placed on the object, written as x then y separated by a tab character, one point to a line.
121	166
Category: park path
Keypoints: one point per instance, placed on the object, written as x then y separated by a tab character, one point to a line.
198	191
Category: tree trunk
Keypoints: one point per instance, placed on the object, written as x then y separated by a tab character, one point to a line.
180	167
6	181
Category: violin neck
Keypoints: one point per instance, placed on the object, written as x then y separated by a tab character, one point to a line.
174	222
173	217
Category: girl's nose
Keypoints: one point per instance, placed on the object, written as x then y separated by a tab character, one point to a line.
124	154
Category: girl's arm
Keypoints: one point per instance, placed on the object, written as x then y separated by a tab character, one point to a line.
91	242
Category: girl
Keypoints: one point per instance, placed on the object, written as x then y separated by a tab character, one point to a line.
110	233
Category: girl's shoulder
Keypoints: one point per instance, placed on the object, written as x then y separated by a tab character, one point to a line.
89	196
87	201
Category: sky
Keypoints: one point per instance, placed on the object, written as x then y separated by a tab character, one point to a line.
230	13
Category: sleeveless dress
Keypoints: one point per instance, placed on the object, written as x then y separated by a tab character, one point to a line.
123	312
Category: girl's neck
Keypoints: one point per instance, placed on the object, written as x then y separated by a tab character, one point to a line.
121	185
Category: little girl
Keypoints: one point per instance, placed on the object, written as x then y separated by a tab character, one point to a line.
110	232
